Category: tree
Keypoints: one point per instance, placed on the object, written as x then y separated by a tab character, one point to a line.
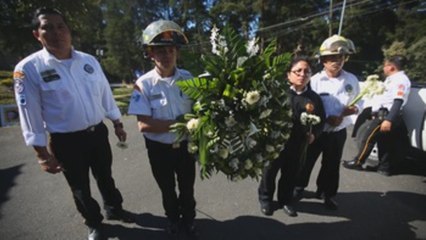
121	53
16	32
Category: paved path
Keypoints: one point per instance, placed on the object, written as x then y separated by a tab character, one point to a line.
36	205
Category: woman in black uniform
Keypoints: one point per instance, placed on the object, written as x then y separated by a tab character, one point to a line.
303	99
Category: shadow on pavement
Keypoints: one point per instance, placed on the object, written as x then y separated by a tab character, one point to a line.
361	215
367	215
7	181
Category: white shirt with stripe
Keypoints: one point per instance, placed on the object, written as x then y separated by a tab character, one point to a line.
336	93
160	98
60	96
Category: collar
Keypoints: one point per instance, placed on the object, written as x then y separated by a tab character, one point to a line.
48	57
299	92
175	77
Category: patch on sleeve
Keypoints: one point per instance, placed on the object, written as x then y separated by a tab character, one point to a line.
19	85
22	100
401	90
136	96
18	75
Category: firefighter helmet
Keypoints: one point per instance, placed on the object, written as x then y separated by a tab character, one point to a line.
337	45
163	33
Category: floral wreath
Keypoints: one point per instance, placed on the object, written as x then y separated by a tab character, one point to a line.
241	117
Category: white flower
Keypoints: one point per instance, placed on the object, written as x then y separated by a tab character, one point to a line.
373	77
192	148
252	47
210	134
275	155
251	143
248	164
213	37
258	171
241	61
192	124
309	119
265	113
234	164
230	121
270	148
252	97
223	153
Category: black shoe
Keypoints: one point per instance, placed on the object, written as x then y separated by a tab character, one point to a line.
330	203
120	215
319	194
191	230
289	210
95	234
173	230
298	193
386	173
353	164
266	209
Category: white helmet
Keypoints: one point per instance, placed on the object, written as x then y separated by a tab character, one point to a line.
163	33
337	45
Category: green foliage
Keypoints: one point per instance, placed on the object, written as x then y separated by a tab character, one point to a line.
122	97
397	48
6	88
417	57
241	117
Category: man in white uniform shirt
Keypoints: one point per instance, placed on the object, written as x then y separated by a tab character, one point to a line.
64	92
157	102
337	88
387	127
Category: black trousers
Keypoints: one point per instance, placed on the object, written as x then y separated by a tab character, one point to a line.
78	152
288	163
169	164
366	139
330	144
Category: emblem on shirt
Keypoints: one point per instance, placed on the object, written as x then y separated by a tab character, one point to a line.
88	68
401	90
309	107
22	99
136	97
19	85
349	88
50	75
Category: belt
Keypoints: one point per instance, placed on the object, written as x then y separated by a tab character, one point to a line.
89	129
175	145
381	114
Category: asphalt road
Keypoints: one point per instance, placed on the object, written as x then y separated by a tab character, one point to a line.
37	205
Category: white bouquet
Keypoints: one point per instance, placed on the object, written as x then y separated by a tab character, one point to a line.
241	116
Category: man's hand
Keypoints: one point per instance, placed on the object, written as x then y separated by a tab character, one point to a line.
385	126
334	121
47	161
121	134
349	111
50	165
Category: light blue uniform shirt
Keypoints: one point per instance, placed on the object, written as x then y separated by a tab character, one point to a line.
336	93
61	95
160	98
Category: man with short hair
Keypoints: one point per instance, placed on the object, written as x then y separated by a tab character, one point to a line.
64	92
387	126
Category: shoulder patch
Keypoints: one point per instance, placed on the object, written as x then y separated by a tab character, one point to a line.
18	75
